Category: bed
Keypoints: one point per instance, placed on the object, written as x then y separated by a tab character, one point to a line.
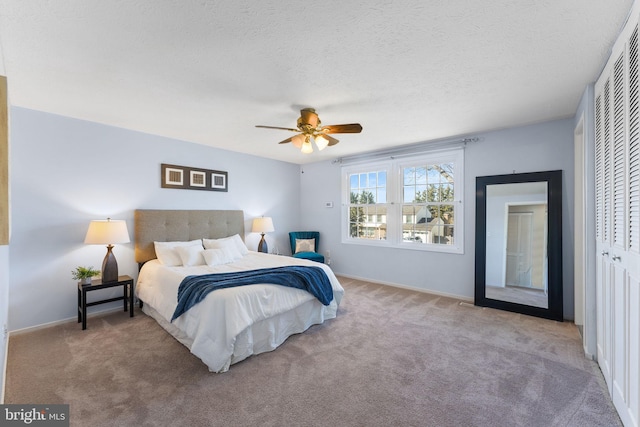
229	324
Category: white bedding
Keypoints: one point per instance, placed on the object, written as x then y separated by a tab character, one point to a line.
231	324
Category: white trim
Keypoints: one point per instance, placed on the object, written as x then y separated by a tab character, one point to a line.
394	202
4	369
408	150
67	320
409	288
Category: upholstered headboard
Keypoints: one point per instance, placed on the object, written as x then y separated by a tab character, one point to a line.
181	225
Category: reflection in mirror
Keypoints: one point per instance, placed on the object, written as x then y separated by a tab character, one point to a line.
519	243
516	248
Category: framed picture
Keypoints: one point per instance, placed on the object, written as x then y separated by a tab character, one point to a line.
219	181
198	179
191	178
173	176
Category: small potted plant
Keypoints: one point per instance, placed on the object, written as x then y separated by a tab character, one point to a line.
84	274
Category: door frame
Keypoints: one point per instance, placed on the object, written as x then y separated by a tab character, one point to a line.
584	167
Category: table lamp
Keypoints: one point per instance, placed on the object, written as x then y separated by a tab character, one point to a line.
262	225
107	232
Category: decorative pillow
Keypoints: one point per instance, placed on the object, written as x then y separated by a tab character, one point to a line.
167	255
236	240
215	257
305	245
190	255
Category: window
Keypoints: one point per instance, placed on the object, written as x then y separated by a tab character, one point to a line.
413	203
368	204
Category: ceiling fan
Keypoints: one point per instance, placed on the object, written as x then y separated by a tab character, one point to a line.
311	130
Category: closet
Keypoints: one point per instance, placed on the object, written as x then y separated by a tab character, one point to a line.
617	187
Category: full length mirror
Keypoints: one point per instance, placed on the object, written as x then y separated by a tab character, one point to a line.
519	243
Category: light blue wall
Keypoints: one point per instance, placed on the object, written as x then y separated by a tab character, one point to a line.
540	147
66	172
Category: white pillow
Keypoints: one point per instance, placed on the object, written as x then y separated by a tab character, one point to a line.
305	245
213	257
190	255
167	255
221	243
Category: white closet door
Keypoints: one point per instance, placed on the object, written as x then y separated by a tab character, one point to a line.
632	296
617	176
603	218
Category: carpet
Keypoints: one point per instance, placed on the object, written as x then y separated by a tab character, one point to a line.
392	357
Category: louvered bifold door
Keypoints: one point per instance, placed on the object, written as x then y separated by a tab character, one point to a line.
617	188
603	226
632	299
619	236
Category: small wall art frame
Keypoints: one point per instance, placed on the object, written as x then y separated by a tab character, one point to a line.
190	178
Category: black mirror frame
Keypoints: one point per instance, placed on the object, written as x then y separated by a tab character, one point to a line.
554	251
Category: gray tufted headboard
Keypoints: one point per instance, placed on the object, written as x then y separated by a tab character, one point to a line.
181	225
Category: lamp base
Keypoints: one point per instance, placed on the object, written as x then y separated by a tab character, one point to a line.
109	267
262	246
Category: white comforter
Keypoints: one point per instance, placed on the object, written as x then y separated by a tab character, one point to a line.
231	324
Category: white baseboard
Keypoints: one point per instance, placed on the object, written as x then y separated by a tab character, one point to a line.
60	322
411	288
4	369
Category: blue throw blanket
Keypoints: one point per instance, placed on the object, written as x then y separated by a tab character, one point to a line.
314	280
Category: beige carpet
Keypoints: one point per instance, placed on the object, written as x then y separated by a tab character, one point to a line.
392	358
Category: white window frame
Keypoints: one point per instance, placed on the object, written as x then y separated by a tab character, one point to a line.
394	167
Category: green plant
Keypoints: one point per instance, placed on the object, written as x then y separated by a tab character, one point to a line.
84	273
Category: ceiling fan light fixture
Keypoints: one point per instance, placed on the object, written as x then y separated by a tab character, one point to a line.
321	142
307	148
311	132
297	140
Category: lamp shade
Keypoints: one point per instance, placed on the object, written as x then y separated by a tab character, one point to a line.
298	140
106	232
321	142
306	146
262	225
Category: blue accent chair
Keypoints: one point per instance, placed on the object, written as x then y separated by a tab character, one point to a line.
313	256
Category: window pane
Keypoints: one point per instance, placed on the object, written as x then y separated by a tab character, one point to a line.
382	195
363	180
446	213
373	225
353	182
382	178
372	179
438	190
447	172
409	176
414	227
409	194
421	175
367	197
433	175
447	193
432	194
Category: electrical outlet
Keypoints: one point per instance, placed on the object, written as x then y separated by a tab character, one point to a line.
5	331
328	257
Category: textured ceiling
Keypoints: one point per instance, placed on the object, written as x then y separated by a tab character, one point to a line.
208	71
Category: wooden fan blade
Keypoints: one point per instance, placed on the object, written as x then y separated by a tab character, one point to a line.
275	127
349	128
332	140
308	116
286	140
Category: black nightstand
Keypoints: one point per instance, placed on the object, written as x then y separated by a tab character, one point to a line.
127	296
